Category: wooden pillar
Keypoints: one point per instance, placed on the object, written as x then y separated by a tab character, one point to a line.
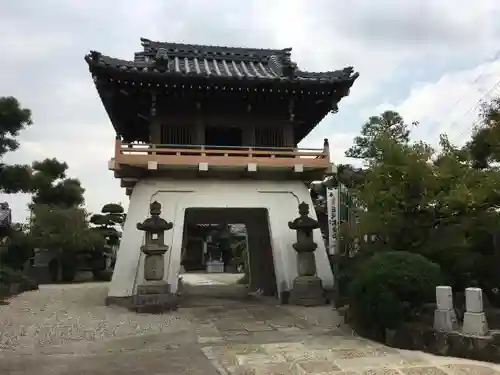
199	131
288	135
254	260
248	135
155	131
260	253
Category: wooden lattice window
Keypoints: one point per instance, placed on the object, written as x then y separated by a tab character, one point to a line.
175	134
269	137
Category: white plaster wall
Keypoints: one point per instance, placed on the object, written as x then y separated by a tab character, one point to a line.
175	196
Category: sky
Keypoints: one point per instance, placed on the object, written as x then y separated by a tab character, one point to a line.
430	60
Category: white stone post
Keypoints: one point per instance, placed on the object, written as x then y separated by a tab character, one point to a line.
474	317
445	318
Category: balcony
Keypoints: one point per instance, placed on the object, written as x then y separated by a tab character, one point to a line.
214	158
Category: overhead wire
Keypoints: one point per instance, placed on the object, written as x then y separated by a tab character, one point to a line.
475	107
482	72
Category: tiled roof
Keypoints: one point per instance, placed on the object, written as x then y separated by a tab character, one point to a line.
214	61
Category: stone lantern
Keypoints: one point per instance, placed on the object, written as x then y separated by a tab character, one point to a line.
154	295
307	288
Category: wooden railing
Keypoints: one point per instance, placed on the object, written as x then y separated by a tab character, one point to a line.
130	153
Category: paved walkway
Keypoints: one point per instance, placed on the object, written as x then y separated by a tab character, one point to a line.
66	330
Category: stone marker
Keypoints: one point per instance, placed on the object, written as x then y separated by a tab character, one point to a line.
445	318
474	317
154	295
474	300
307	288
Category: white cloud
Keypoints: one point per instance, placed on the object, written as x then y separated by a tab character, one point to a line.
451	104
24	47
44	66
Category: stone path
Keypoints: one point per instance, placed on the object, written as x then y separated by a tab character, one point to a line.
66	330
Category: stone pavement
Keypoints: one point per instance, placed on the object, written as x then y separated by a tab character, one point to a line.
67	330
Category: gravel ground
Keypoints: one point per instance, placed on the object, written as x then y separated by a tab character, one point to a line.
59	315
67	330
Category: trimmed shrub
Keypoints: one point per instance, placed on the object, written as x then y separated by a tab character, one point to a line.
9	276
390	288
17	253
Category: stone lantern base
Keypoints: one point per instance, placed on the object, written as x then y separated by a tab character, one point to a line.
155	298
307	291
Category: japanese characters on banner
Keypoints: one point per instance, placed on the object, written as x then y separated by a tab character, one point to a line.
332	203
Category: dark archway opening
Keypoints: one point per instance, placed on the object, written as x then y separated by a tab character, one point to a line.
219	243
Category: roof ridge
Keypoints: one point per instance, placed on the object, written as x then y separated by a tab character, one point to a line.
268	51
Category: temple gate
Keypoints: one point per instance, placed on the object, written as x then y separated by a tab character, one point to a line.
213	128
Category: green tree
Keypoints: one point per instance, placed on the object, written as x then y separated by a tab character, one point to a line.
484	147
443	205
397	186
349	176
56	222
112	215
46	179
435	204
389	124
67	231
50	186
105	223
63	228
13	119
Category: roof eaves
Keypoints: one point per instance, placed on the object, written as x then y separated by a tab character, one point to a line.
95	59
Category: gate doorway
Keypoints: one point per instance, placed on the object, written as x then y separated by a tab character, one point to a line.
227	253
